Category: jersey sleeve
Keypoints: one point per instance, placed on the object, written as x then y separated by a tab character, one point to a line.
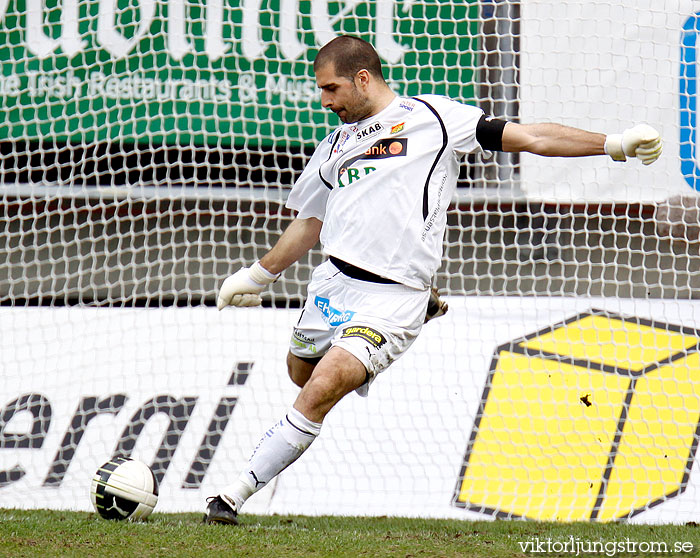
461	121
309	194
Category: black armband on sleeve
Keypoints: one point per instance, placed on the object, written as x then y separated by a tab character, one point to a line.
489	133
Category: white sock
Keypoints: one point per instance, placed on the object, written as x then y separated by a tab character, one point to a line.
277	449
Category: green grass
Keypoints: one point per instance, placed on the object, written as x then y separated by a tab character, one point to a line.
66	534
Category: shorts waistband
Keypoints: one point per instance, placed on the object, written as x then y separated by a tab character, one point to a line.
357	273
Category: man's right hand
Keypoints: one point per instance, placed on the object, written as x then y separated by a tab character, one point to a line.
243	288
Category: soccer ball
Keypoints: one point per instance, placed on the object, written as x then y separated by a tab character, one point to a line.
124	488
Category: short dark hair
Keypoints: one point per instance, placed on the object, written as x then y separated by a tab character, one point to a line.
349	55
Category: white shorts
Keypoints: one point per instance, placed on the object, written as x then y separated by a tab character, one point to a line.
375	322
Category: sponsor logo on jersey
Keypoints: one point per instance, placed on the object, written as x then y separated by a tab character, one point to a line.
369	131
386	148
382	149
396	129
344	137
370	335
332	315
351	174
407	105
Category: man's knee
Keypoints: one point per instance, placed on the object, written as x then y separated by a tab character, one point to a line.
299	369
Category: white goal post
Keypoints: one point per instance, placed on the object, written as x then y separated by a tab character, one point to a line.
146	151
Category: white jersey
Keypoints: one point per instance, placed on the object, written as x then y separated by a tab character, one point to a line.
382	186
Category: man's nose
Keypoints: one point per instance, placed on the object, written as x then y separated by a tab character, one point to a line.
326	100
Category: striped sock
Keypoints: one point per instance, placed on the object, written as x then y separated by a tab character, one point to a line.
278	449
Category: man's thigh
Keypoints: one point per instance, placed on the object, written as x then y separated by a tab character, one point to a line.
337	374
376	323
300	369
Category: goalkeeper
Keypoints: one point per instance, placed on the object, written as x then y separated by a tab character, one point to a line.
376	192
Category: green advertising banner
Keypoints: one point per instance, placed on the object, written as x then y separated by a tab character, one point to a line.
182	72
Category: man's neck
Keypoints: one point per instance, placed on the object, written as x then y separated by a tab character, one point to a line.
384	99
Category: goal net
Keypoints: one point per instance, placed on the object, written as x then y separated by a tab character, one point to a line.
147	149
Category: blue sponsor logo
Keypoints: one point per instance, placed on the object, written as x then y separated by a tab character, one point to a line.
332	315
689	101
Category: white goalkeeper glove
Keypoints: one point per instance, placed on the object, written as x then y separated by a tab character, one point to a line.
642	142
243	288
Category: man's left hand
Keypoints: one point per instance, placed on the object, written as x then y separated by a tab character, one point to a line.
641	141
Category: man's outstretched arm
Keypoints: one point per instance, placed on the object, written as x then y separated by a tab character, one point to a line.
555	140
243	288
298	238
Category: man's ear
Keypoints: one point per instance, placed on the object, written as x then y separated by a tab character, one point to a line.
362	78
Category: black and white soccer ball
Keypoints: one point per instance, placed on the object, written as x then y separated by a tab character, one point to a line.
124	488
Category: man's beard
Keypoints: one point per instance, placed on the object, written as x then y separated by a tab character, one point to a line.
360	109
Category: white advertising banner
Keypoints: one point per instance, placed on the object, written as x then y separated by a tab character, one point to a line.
606	66
505	407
